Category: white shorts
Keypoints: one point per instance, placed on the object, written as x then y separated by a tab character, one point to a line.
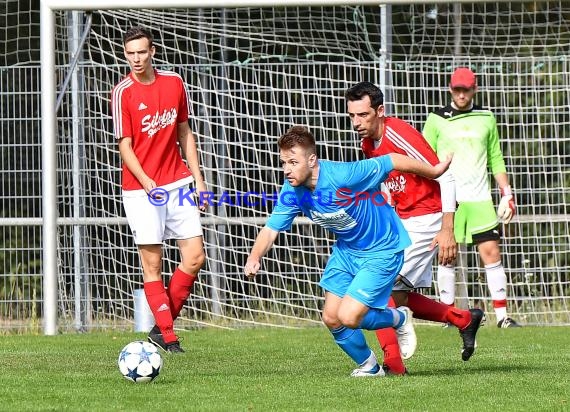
151	224
418	259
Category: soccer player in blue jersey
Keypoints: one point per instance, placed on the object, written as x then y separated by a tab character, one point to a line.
370	238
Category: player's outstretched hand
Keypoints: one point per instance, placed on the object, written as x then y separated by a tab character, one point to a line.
251	268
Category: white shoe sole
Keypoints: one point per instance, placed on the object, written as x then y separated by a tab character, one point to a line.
358	373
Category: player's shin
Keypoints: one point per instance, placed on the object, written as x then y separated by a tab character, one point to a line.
428	309
446	284
381	318
353	343
392	357
389	343
159	305
178	290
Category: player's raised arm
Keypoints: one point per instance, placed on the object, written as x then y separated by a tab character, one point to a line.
263	243
407	164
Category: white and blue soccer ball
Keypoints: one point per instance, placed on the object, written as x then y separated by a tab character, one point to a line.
140	362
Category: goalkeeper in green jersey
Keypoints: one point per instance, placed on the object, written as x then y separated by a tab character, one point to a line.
470	133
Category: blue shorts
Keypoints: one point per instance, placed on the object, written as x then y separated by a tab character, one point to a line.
369	280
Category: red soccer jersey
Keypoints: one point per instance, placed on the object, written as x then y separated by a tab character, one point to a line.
413	195
149	114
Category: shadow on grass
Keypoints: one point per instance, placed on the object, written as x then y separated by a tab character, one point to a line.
465	367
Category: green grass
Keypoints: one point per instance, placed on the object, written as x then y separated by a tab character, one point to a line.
294	370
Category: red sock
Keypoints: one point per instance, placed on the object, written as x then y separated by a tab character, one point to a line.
178	291
429	309
158	302
458	317
389	344
426	308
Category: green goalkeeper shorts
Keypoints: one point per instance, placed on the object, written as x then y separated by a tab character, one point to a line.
472	218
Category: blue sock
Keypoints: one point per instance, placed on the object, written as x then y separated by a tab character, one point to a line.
352	342
401	319
377	319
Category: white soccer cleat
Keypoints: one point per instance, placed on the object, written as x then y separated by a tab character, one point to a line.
406	334
376	371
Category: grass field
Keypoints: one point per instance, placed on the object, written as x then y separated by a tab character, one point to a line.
293	370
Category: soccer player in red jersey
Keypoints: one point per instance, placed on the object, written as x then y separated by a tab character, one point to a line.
150	115
426	208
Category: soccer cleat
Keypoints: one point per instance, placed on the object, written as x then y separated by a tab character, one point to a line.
155	337
174	347
388	372
376	371
406	334
469	332
508	323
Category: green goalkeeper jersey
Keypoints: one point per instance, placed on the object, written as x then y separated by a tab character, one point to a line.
473	138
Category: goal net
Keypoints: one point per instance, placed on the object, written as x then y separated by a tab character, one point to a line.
251	73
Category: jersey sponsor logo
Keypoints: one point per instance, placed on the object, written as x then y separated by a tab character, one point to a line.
339	220
396	184
142	106
154	123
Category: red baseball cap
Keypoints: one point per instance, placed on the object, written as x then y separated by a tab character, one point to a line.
463	77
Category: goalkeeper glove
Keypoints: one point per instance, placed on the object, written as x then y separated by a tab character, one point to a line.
507	208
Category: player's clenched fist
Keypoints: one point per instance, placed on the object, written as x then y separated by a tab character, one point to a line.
507	208
251	268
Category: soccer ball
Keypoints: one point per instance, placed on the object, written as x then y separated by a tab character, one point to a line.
140	362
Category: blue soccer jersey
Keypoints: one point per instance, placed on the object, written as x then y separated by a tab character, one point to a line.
346	201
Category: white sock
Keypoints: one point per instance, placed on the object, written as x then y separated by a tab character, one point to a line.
446	284
500	313
370	362
497	281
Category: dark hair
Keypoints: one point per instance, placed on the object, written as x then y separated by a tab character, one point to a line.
358	91
135	33
297	136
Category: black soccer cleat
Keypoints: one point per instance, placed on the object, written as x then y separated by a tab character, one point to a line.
389	372
155	337
174	347
468	333
508	323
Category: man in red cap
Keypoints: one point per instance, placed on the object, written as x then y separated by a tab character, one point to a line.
470	132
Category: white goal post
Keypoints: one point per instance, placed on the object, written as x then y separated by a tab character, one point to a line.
524	79
48	111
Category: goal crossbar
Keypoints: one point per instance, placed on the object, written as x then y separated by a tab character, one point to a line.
152	4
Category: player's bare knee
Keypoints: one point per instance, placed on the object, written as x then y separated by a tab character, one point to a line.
194	263
490	252
331	321
350	320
